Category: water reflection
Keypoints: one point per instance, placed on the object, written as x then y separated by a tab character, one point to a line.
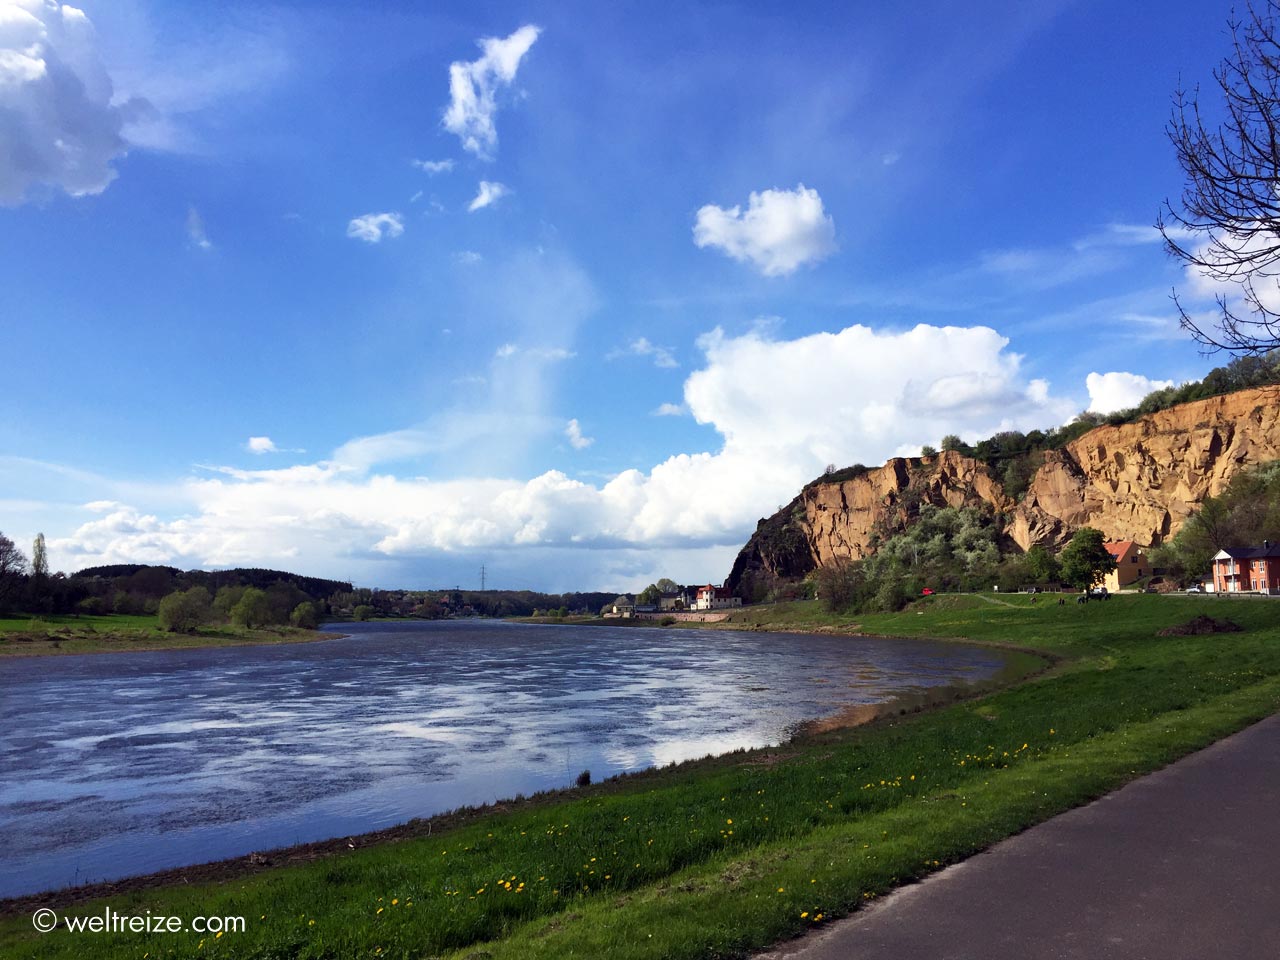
124	764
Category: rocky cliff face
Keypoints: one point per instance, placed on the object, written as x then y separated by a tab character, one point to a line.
1138	481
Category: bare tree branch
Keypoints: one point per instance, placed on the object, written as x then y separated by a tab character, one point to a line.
1226	226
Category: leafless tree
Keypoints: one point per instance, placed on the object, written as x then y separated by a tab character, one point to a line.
1227	226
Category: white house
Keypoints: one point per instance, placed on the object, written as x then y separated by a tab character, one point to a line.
712	597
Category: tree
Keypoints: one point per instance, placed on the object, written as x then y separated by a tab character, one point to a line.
184	611
226	600
39	559
649	594
1085	560
363	612
953	442
928	451
252	609
1041	566
304	615
1227	226
667	585
13	567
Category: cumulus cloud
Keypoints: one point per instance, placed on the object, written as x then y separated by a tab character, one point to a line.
782	408
473	88
1109	392
60	123
195	230
641	347
372	227
432	167
261	445
489	193
573	431
670	410
780	231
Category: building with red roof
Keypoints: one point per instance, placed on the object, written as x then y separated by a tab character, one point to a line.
1131	564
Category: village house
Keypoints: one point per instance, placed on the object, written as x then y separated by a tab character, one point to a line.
1131	565
668	602
1252	569
712	597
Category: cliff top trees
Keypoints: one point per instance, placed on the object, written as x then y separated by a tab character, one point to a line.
1227	226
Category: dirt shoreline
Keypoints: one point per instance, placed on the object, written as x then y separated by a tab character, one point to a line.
855	716
140	645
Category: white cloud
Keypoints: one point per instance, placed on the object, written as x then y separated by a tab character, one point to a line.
467	258
536	353
61	124
670	410
573	431
1109	392
783	408
432	167
372	227
262	445
473	89
780	231
641	347
195	230
488	193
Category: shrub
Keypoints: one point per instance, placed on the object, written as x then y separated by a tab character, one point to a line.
363	612
183	611
304	615
252	609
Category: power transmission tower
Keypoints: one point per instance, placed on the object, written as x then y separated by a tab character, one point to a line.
482	578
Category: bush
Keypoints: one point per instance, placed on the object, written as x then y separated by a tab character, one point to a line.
363	612
252	609
584	779
304	615
94	605
184	611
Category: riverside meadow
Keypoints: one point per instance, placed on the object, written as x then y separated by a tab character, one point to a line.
725	855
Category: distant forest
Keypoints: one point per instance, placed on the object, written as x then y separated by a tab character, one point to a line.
28	587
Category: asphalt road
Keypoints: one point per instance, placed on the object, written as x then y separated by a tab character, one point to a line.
1179	865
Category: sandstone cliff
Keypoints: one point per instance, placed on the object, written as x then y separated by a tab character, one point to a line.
1137	481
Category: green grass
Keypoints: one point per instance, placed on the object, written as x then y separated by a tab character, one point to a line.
651	866
54	634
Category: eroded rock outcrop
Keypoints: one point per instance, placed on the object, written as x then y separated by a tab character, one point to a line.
1137	481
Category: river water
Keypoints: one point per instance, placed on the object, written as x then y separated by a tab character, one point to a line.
119	764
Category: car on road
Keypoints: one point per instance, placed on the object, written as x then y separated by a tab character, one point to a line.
1196	588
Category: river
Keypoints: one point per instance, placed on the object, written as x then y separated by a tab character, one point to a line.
113	765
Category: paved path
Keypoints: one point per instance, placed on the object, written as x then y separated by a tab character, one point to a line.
1179	865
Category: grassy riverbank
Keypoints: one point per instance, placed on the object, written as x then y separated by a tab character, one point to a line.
717	858
51	635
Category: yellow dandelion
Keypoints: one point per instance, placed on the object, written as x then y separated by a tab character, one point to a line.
804	914
395	902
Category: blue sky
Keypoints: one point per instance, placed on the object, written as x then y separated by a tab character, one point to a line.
276	291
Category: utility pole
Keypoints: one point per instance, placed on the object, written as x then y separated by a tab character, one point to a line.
482	578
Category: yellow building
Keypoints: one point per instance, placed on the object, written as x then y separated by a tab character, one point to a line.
1131	565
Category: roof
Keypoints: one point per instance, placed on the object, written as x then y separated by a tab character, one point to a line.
1252	553
1119	548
